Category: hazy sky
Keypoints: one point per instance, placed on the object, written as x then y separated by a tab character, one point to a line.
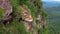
50	0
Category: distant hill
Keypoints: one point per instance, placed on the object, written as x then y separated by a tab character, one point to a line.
53	9
50	4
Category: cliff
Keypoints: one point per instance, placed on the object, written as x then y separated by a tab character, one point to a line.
22	16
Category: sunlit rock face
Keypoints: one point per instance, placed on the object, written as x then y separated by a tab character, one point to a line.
26	16
5	4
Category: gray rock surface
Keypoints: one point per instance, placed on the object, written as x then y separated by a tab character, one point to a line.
5	4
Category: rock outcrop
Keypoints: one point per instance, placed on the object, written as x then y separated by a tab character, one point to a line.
5	4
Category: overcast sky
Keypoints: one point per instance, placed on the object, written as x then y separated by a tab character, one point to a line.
50	0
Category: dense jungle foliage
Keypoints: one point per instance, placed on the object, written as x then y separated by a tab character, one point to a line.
34	8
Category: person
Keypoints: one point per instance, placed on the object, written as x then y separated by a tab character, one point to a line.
38	19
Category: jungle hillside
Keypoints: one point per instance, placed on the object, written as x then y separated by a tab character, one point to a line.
23	17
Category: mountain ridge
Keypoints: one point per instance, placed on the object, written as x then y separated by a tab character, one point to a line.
50	4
